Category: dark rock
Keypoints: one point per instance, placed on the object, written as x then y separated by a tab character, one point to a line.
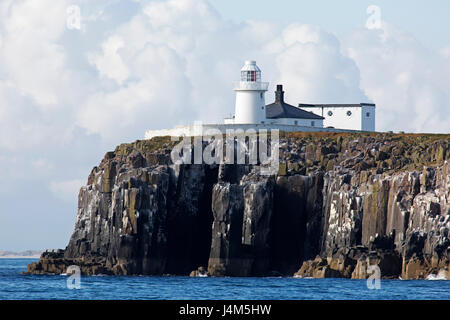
242	216
350	200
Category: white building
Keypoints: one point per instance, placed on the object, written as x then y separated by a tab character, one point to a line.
359	117
251	112
250	105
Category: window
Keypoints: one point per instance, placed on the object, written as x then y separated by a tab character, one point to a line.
313	123
330	113
368	114
261	95
262	107
349	113
250	76
296	122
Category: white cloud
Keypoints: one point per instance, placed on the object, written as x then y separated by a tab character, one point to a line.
312	68
42	164
445	52
68	96
406	80
110	64
174	62
31	56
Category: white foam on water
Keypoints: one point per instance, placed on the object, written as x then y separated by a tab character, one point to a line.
440	276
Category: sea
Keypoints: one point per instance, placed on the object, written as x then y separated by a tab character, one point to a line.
17	286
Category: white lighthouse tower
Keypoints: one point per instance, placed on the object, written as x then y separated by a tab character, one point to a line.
250	102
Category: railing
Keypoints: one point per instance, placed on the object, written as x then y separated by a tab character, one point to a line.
248	85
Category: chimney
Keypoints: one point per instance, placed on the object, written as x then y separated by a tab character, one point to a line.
279	94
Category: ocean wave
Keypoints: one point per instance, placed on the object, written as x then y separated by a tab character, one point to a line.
440	276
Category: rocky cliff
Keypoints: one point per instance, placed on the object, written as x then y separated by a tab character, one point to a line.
339	203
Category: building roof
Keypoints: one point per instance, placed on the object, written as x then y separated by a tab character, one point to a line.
348	105
280	109
250	65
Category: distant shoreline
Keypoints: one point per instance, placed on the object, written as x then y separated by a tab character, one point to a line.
20	257
31	254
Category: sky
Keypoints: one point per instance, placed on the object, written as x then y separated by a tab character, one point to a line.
79	77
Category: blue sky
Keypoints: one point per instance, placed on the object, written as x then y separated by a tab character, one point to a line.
69	94
426	20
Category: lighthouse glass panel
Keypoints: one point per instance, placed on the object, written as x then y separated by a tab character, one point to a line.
250	76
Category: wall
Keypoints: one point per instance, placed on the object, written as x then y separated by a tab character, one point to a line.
296	122
339	118
368	122
250	107
286	121
198	130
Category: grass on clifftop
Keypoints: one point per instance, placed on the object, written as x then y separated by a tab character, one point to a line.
412	151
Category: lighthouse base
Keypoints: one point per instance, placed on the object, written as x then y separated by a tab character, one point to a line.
207	129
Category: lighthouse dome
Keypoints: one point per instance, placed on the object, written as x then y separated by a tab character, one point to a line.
250	72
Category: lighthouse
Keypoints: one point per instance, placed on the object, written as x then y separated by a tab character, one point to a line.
252	113
250	103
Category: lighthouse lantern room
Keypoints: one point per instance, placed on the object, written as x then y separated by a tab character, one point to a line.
250	102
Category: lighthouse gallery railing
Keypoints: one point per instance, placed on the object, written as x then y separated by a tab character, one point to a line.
249	85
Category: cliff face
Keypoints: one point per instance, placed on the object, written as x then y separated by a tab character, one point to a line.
339	203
